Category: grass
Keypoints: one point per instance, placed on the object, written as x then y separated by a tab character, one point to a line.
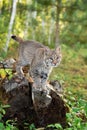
73	68
72	74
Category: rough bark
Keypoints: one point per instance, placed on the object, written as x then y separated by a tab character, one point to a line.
23	109
18	94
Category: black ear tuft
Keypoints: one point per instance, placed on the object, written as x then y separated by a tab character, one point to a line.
13	36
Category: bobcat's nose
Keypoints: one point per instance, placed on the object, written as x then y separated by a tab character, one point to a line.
54	62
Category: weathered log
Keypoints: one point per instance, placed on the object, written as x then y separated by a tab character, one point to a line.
22	107
9	63
32	105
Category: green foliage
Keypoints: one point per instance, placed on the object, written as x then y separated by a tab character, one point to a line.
45	2
77	117
2	110
29	126
6	73
32	127
40	26
55	126
9	125
39	17
72	75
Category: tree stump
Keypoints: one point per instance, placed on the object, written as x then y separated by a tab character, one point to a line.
22	107
18	94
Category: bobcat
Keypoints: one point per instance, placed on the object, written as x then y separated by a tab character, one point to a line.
40	58
42	65
27	50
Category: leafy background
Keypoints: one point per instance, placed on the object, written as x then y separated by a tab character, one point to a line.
49	22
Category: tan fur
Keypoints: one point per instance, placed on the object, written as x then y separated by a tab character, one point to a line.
40	58
40	69
27	49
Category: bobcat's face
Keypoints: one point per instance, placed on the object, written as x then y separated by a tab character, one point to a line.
54	58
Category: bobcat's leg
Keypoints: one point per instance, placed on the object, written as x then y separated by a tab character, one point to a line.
44	77
19	69
39	80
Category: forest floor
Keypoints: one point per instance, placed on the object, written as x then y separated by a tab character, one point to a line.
72	74
72	71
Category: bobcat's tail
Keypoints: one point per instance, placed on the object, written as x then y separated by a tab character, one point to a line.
18	39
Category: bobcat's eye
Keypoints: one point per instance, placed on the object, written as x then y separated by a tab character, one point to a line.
51	59
57	58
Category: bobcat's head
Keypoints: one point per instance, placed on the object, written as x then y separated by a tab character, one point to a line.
53	57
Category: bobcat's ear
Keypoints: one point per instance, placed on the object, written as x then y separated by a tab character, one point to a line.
46	51
40	51
58	49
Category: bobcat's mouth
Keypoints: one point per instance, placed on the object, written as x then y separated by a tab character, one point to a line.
54	65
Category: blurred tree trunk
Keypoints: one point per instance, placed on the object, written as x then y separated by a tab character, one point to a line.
57	29
27	21
1	7
11	24
26	25
51	28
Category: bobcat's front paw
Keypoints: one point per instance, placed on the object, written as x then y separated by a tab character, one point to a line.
43	76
